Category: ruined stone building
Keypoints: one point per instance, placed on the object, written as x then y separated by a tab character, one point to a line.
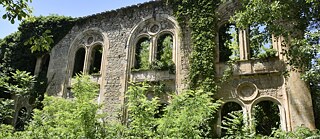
108	46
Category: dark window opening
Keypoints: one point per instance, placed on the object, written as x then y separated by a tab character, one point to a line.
79	61
229	109
21	119
41	83
160	110
96	58
228	43
260	41
45	63
267	116
142	54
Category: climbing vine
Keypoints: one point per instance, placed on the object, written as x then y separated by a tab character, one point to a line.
35	38
200	17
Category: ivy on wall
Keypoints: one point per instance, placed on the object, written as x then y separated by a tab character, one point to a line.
200	16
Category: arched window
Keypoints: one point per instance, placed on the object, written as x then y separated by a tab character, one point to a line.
267	117
228	43
260	42
164	52
142	53
229	111
21	119
79	61
96	58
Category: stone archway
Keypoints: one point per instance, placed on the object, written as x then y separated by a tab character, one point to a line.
270	113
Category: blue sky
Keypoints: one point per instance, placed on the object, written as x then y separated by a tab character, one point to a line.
74	8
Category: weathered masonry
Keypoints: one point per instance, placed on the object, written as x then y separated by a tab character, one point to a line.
119	46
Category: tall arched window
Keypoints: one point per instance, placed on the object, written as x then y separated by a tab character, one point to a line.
267	116
142	53
96	58
79	61
228	43
164	51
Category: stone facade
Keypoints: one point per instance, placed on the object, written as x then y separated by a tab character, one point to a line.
118	32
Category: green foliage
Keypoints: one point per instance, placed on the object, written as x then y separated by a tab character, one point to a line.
43	32
235	126
6	131
183	118
267	117
300	27
16	48
299	133
141	111
22	83
232	44
201	18
260	42
67	118
187	115
142	55
16	9
40	43
164	55
6	112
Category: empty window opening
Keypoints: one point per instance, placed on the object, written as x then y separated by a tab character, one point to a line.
267	117
96	58
79	61
228	43
230	112
21	119
260	42
164	51
142	54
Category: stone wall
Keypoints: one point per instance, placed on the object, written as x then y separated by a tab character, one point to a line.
115	29
118	32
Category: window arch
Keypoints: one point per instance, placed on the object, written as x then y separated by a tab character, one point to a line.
96	59
142	54
164	50
267	116
79	60
228	109
228	42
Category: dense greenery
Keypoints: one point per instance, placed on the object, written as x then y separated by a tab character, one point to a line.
79	117
201	18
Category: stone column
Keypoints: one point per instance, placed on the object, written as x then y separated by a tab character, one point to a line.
244	44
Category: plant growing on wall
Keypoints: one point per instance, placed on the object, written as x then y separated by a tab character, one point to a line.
201	18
